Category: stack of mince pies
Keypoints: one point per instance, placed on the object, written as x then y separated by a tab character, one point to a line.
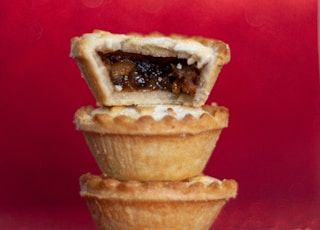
151	133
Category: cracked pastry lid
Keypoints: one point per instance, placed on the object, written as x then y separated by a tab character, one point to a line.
190	204
149	69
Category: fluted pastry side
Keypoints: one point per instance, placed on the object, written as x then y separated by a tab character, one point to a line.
141	147
188	205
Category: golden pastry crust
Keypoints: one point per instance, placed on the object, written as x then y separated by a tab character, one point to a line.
138	147
191	204
193	188
208	54
152	120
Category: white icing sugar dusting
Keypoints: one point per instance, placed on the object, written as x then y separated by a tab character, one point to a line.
198	53
206	180
126	111
179	112
157	112
193	51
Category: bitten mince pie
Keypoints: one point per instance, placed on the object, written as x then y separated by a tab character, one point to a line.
167	69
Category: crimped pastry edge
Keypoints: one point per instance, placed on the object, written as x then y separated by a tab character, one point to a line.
200	188
210	54
199	48
87	119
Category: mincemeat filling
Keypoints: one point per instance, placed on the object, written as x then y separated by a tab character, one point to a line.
132	72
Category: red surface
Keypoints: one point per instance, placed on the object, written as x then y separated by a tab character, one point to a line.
271	87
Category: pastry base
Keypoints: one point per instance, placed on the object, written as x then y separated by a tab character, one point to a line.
184	215
152	157
142	145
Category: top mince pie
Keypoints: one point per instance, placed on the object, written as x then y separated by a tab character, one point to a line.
149	69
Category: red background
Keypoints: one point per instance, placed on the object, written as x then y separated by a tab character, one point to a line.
271	87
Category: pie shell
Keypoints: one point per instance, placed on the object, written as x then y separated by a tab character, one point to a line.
192	204
209	54
146	149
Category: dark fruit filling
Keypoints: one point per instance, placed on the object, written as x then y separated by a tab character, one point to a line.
132	72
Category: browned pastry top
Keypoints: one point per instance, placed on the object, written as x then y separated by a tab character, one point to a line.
154	120
196	188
